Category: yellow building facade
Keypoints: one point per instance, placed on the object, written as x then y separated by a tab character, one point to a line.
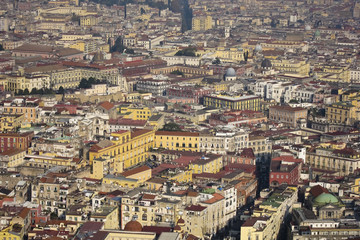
135	113
180	141
248	102
29	113
342	113
10	122
201	23
208	164
299	67
127	148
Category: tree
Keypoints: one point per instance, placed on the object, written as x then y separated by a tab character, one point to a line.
1	47
293	101
171	127
190	52
20	92
34	91
118	46
26	91
61	90
217	61
177	72
246	56
142	11
75	18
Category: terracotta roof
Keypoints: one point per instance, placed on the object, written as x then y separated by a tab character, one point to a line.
148	196
216	197
106	105
192	194
12	152
195	208
135	171
251	221
137	132
317	190
24	212
156	229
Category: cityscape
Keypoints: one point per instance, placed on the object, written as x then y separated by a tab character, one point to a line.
179	119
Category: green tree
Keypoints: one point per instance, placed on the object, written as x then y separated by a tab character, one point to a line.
34	91
61	90
1	47
293	101
26	91
177	72
171	127
217	61
189	51
142	11
20	92
118	46
246	56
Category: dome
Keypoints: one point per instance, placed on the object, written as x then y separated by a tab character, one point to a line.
317	33
258	48
307	27
230	72
133	226
128	25
266	63
326	198
181	221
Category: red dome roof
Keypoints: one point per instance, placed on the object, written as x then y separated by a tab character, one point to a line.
133	226
181	221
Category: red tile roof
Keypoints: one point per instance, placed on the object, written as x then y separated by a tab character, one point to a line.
106	105
135	171
195	208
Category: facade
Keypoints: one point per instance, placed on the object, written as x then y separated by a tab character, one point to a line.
248	102
342	113
156	87
126	149
181	141
201	22
287	115
15	140
265	222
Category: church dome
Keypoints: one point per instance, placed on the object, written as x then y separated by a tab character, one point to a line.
181	221
326	198
258	48
133	226
307	27
128	25
230	72
266	63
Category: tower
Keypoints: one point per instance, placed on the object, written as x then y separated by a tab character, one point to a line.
227	32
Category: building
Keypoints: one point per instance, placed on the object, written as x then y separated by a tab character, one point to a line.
246	102
285	170
201	22
343	161
180	141
287	115
15	140
126	148
266	220
342	113
11	122
12	158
